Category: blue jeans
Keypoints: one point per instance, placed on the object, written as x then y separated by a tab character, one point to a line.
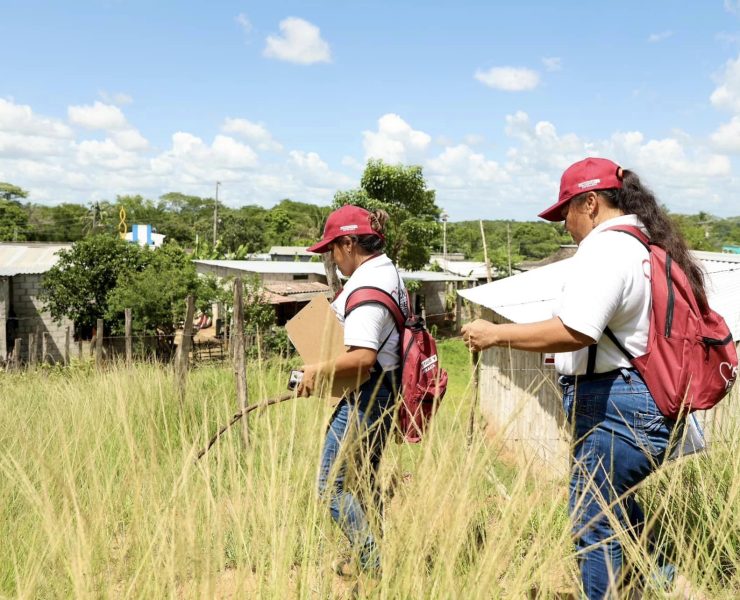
354	444
619	438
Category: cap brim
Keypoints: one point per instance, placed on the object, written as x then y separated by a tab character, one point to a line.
319	247
555	212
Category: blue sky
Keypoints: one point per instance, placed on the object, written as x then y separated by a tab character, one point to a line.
289	99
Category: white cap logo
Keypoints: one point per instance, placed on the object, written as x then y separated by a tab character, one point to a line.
590	183
348	227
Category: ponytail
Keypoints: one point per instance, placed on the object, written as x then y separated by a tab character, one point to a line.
636	199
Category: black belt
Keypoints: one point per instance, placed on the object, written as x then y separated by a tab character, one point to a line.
572	379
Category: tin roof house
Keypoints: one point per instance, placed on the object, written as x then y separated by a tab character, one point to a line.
22	267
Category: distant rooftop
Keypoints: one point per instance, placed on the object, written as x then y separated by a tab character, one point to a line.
263	266
290	251
28	258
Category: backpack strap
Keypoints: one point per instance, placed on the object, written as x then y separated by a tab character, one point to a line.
638	234
373	295
634	231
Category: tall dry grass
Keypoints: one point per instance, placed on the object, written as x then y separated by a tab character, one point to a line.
100	498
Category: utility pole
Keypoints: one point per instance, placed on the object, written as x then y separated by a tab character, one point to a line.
444	216
215	215
508	245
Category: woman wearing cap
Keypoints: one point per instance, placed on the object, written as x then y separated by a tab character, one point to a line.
359	427
620	436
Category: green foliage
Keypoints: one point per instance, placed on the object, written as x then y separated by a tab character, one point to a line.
10	192
259	315
156	293
61	223
13	221
402	192
519	240
77	287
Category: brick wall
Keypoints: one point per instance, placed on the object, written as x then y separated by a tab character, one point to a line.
32	319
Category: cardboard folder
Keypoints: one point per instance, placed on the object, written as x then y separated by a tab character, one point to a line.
317	336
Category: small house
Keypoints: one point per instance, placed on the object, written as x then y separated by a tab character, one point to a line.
22	267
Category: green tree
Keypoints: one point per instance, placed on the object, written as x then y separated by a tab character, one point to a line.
414	215
77	287
156	308
11	192
13	221
245	227
13	218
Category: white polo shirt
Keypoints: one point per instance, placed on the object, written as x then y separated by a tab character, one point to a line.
608	285
368	326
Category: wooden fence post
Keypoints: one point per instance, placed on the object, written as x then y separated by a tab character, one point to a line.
489	278
32	349
99	344
44	347
67	341
458	308
17	354
240	367
128	328
183	350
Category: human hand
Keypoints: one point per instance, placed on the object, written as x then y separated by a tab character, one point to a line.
479	335
308	383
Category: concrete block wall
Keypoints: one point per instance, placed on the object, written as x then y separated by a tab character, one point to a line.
4	309
32	318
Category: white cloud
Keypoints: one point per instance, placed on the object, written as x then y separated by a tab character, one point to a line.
654	38
244	23
253	132
19	118
129	139
106	154
727	136
316	172
460	166
22	145
552	63
395	141
727	94
300	42
509	79
97	116
118	98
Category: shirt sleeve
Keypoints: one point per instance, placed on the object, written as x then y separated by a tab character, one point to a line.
595	288
365	326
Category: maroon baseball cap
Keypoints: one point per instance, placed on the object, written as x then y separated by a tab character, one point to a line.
586	175
348	220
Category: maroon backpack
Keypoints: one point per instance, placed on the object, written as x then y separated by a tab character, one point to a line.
423	381
691	360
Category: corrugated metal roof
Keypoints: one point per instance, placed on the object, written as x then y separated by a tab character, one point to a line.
431	276
291	251
28	258
287	288
464	268
260	266
528	297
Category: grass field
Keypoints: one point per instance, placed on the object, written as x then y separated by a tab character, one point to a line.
100	498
